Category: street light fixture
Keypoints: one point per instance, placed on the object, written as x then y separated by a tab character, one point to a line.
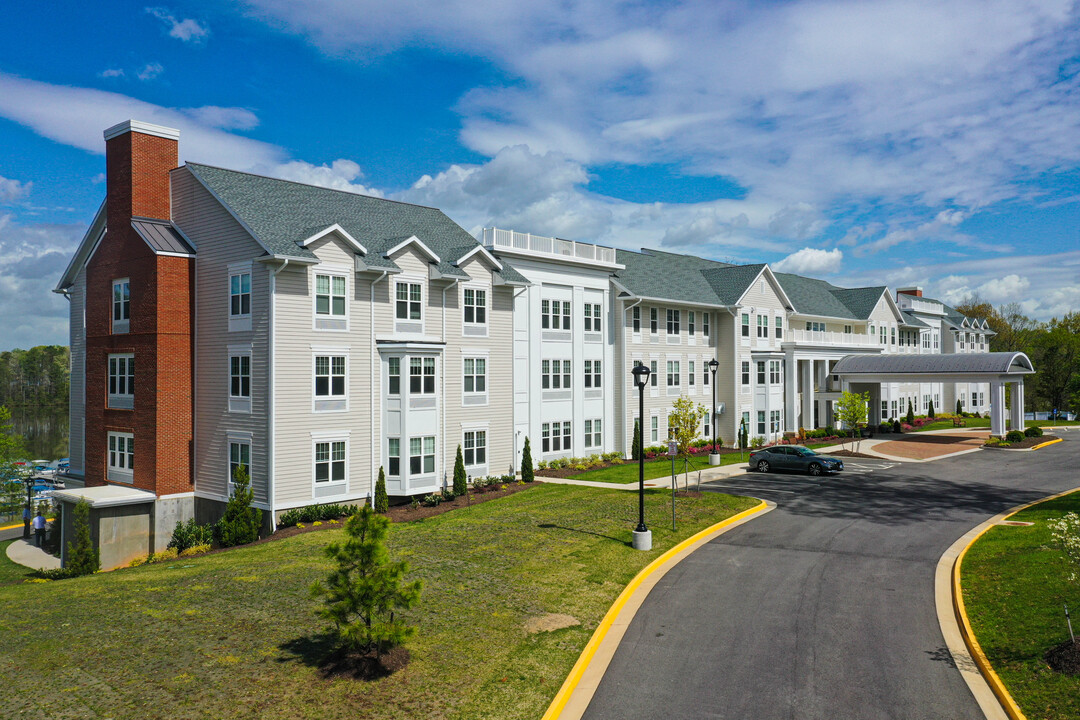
642	535
714	456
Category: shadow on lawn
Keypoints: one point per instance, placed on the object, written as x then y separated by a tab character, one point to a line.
322	652
550	526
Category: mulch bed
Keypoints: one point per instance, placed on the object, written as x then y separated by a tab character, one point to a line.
363	666
852	454
1026	443
1064	658
570	472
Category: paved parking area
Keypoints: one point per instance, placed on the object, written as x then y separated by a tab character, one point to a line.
789	483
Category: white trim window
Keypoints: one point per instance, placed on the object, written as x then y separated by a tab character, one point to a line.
121	305
763	326
592	373
239	381
592	317
475	378
760	372
883	333
330	376
475	447
593	434
774	372
421	376
121	457
673	379
690	325
409	301
239	295
555	437
746	325
422	455
550	376
760	422
779	327
654	429
815	326
393	457
690	373
673	322
330	462
746	373
653	381
705	373
393	376
635	319
884	410
122	381
705	324
475	307
654	321
239	456
774	421
555	314
330	296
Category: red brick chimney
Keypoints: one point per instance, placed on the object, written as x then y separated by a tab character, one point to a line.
138	158
916	291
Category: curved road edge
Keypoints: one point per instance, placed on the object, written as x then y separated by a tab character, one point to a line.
989	691
578	688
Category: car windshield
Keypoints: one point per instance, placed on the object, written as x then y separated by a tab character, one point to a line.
805	452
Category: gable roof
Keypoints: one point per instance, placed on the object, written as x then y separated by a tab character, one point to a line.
683	278
280	214
811	296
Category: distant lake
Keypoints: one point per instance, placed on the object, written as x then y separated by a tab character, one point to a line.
44	431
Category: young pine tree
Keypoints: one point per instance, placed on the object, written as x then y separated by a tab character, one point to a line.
959	408
240	524
364	593
910	413
382	502
930	410
82	556
460	478
635	450
526	463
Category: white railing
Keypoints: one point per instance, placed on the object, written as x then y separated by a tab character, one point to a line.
821	337
919	305
542	245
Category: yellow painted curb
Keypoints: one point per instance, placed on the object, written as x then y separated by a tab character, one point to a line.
1048	442
992	679
570	684
19	525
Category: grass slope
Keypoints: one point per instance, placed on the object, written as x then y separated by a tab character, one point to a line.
985	423
1014	583
233	634
655	468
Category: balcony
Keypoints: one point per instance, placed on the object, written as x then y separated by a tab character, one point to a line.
919	305
527	244
834	339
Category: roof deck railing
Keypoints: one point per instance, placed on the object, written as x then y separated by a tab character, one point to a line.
499	238
821	337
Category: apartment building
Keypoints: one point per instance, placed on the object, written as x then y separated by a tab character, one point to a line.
221	318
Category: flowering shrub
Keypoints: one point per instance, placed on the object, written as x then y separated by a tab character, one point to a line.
1066	533
905	427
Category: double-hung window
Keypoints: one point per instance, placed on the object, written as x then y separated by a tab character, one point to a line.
673	373
779	327
240	294
761	422
475	447
635	319
409	301
847	329
555	314
122	381
883	333
763	326
555	436
121	305
746	325
774	418
593	434
705	324
893	334
329	376
592	373
672	322
654	320
705	373
421	376
690	329
422	455
475	307
240	376
654	429
475	375
555	374
393	375
774	372
330	462
652	373
330	295
393	456
746	373
690	373
121	456
592	317
239	457
761	372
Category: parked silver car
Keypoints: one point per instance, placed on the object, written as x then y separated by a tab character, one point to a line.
793	457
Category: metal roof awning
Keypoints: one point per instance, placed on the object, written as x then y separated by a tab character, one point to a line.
960	367
106	496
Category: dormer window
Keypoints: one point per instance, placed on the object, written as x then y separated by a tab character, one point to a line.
121	305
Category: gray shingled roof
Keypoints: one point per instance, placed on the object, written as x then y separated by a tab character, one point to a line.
683	278
811	296
912	321
952	363
282	213
161	236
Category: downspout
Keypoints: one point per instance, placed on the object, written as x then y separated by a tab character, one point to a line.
376	450
270	397
442	385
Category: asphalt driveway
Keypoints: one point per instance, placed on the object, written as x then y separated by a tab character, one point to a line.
824	607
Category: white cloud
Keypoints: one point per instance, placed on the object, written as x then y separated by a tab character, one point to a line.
811	261
1006	289
339	175
186	30
112	73
150	71
13	190
225	118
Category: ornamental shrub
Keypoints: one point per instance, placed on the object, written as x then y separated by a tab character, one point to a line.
959	408
1033	432
930	410
241	523
83	557
910	413
460	478
1014	436
896	426
527	463
382	502
190	534
885	427
635	450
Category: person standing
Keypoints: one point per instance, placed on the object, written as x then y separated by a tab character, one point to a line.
26	515
39	529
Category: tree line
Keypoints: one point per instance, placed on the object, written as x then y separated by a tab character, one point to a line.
1054	349
35	377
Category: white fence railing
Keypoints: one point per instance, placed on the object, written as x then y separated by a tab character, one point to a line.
821	337
540	244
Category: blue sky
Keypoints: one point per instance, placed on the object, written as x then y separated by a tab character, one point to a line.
900	141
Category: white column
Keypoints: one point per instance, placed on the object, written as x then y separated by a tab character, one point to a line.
997	408
1017	415
808	395
790	382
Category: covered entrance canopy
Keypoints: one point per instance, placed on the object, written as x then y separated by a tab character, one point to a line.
996	368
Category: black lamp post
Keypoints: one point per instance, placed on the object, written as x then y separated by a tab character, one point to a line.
642	535
28	480
712	366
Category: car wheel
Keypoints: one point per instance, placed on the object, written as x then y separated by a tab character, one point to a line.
815	469
763	466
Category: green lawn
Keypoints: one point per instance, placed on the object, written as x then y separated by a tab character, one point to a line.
11	573
985	423
655	468
233	634
1014	583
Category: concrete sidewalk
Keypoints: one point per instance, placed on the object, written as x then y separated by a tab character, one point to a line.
24	552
